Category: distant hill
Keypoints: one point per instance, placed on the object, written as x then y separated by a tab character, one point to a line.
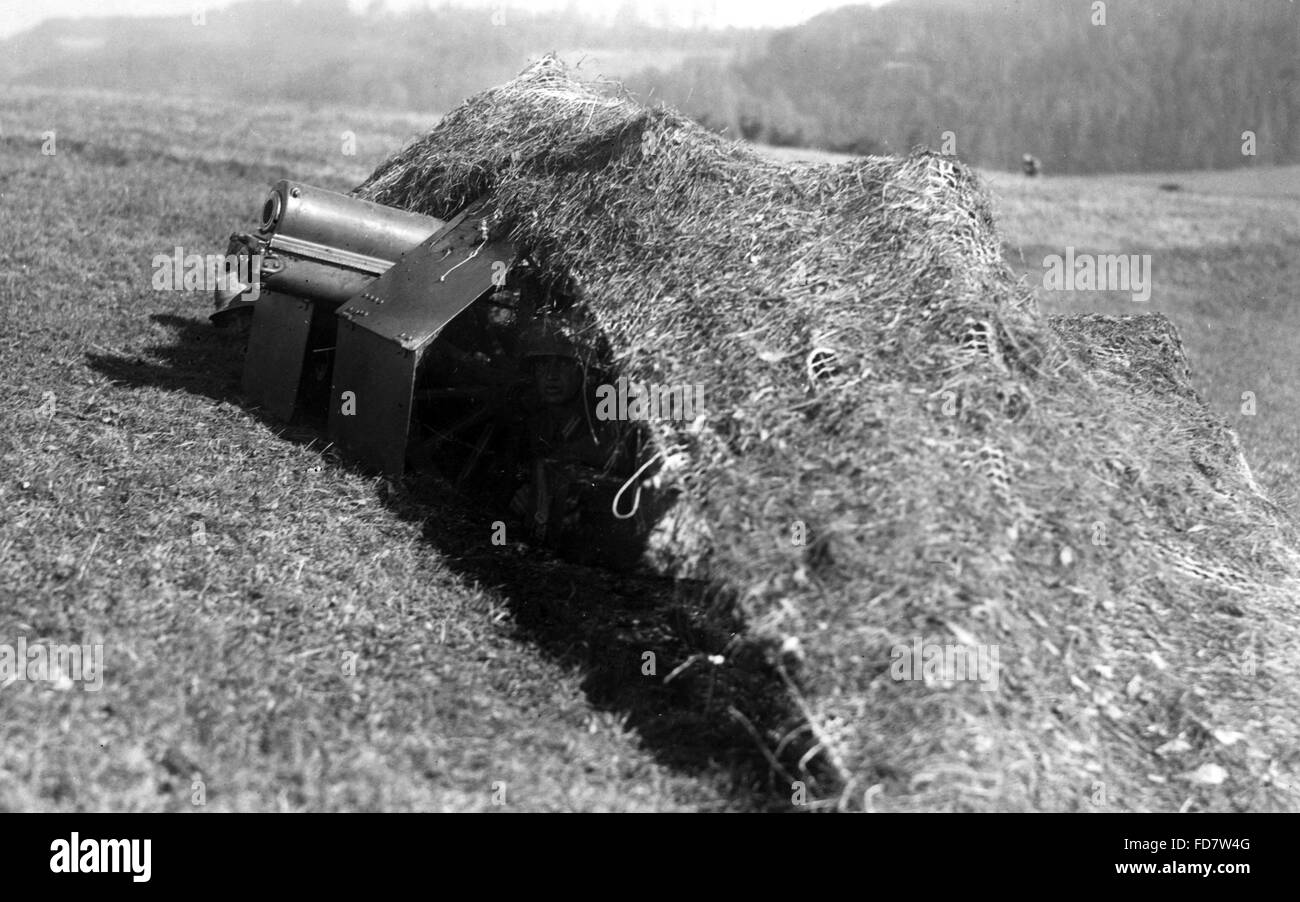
1162	85
321	54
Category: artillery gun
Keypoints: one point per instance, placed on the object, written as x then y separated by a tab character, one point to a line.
411	337
353	294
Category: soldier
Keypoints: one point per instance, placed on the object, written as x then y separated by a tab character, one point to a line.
1031	165
560	422
566	453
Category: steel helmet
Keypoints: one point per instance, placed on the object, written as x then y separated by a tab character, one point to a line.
545	339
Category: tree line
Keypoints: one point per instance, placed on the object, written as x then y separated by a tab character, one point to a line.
1084	85
1123	85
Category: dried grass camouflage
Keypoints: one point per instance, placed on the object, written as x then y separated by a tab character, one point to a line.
967	470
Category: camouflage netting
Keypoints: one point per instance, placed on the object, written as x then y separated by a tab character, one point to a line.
967	472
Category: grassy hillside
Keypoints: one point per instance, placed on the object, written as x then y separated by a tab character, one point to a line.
298	636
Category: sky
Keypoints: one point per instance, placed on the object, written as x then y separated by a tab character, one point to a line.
19	15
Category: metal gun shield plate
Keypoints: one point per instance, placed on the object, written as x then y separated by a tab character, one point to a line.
370	404
277	344
385	330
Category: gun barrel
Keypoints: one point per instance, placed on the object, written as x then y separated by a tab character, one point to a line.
333	228
322	245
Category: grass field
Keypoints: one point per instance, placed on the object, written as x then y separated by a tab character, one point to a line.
283	632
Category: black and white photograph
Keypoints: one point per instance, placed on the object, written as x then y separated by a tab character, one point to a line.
651	406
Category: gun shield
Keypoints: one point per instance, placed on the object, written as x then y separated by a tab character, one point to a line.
385	330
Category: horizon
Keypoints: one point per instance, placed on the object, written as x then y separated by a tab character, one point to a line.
703	14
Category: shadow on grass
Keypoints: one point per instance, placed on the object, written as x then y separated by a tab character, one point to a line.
719	722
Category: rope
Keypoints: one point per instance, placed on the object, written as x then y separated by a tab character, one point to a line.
636	499
473	254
